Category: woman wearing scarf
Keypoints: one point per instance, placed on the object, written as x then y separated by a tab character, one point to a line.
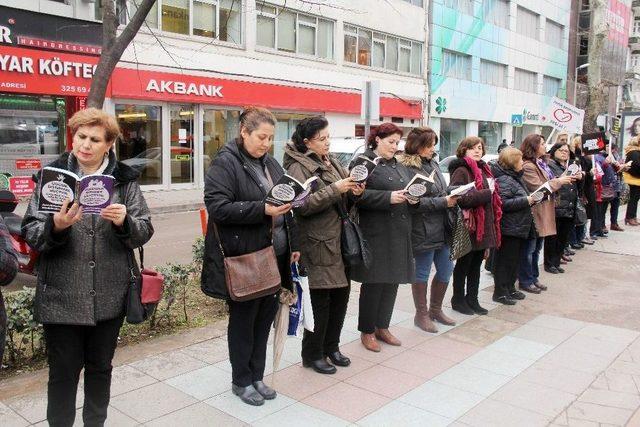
485	209
536	174
632	178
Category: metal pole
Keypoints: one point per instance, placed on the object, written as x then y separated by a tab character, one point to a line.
367	111
575	88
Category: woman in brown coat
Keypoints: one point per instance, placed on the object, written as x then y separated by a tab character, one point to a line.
319	225
536	173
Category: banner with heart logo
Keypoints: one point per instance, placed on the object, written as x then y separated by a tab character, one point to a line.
564	116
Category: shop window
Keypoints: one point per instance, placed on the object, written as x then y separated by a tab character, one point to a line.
141	143
451	133
182	143
285	126
496	12
219	127
491	133
554	34
526	81
493	73
456	65
527	23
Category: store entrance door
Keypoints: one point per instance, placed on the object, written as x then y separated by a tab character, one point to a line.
182	148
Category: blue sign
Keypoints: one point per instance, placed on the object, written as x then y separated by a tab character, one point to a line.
516	120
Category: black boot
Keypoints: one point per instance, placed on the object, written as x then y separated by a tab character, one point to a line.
472	299
461	306
339	359
321	366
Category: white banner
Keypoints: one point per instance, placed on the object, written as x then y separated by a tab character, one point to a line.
564	116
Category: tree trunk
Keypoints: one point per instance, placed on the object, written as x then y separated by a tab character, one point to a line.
597	98
113	46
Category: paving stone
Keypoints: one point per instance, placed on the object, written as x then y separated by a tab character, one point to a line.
425	366
534	397
610	334
297	414
386	381
490	413
447	348
346	401
540	334
521	347
611	398
33	407
614	381
499	362
198	415
9	418
115	418
442	399
401	414
357	365
167	365
231	404
583	362
411	337
126	378
298	382
150	402
560	323
202	383
596	346
408	324
210	351
472	379
625	367
482	330
398	316
598	413
357	349
558	377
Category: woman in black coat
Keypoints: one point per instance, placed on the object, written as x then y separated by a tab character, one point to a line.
237	181
516	224
385	221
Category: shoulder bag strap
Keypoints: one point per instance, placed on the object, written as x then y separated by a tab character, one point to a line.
123	195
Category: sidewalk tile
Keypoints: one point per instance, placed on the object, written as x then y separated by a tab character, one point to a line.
33	407
447	348
442	399
126	378
411	337
115	418
167	365
388	382
620	366
540	334
408	324
401	414
521	347
560	323
198	415
499	362
357	365
231	404
348	336
298	382
346	401
300	414
596	346
491	413
583	362
610	334
202	383
615	381
210	351
610	398
598	413
356	348
534	397
557	377
8	418
472	379
225	365
400	316
150	402
417	363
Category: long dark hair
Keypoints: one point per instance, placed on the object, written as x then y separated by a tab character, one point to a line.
632	128
307	129
530	146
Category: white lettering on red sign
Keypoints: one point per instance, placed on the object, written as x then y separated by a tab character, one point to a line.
182	88
52	67
5	35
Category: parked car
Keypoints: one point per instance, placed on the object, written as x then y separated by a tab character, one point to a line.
149	162
346	149
444	164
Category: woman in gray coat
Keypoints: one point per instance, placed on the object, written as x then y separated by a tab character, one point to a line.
84	270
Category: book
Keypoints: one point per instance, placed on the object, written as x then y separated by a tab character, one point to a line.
418	186
363	168
542	193
92	192
572	169
289	190
463	189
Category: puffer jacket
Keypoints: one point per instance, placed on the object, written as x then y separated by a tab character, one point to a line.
84	271
567	196
517	219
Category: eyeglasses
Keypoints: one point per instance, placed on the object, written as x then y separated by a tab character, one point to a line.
562	151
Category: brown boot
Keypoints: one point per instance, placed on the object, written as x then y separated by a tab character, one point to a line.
385	336
370	342
438	290
421	319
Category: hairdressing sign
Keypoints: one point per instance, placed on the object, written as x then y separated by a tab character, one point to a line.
564	116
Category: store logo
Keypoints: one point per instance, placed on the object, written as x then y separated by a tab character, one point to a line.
441	105
5	35
182	88
528	116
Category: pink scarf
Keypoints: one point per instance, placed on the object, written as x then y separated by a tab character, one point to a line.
496	201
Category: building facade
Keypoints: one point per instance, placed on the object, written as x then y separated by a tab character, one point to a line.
492	61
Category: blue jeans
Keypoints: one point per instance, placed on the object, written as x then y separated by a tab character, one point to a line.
529	256
444	266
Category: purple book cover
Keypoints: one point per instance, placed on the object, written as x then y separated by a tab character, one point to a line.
94	193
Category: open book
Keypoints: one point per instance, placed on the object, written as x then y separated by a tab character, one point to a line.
572	169
290	190
92	192
463	189
542	193
417	187
363	167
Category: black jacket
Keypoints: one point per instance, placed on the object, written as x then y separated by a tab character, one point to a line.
517	219
567	197
234	197
634	157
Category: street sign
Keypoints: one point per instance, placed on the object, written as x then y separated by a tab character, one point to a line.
21	186
564	116
516	120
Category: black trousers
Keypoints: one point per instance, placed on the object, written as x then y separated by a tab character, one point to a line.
506	265
554	246
69	349
632	207
329	310
467	270
248	332
597	219
376	306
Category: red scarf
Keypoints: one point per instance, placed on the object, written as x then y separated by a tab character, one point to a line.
496	202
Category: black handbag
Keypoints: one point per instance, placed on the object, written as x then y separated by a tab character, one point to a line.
581	213
355	250
460	240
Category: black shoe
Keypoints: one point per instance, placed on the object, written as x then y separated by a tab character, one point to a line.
560	269
339	359
569	252
321	366
267	392
517	295
552	270
577	246
477	308
248	395
461	306
504	300
540	286
532	289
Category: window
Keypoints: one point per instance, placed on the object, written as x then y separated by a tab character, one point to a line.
415	2
491	132
554	34
527	23
121	10
456	65
451	133
585	5
636	26
550	86
635	60
204	19
230	21
496	12
462	6
584	45
380	50
175	16
289	31
525	81
493	73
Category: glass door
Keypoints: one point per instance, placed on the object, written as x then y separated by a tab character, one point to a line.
182	144
218	128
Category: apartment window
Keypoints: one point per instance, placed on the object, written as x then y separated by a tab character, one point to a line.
585	5
493	73
584	46
289	31
496	12
456	65
525	81
527	23
381	50
415	2
121	10
462	6
553	34
550	86
636	26
635	60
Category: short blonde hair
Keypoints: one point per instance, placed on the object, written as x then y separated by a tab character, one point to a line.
509	157
575	142
96	117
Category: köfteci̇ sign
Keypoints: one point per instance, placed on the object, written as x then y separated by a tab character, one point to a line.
564	116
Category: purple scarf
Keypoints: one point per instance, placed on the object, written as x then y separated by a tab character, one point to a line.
545	167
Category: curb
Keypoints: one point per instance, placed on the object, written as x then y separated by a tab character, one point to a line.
187	207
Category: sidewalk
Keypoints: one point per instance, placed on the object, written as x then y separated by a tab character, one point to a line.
570	356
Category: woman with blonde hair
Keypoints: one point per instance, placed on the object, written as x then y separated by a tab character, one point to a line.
632	177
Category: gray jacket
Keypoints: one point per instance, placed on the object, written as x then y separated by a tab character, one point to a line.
84	272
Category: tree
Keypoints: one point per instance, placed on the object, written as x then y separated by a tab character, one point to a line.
597	97
113	46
